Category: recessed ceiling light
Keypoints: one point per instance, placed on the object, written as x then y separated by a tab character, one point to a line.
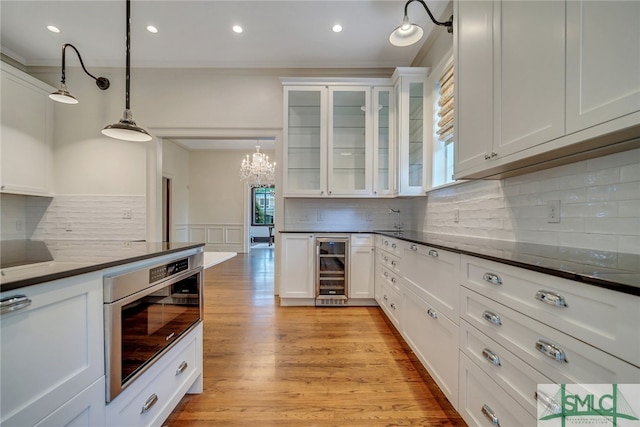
337	28
152	29
53	28
237	29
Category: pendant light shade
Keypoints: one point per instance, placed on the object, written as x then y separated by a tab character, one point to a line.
126	129
62	95
406	34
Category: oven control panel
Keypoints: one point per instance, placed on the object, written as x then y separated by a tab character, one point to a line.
162	271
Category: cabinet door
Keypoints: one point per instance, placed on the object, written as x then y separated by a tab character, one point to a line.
349	148
297	265
361	277
473	51
384	182
25	145
603	61
412	135
305	155
528	74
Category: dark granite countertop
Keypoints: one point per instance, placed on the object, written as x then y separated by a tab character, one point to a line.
611	270
30	262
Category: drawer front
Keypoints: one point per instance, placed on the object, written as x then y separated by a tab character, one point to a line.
435	275
391	245
517	378
434	339
391	304
390	277
480	398
606	319
358	240
390	261
527	338
166	380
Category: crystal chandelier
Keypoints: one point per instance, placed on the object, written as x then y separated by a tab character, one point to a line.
257	171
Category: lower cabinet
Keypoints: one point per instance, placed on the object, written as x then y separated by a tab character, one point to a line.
84	410
434	339
361	267
297	255
52	352
150	399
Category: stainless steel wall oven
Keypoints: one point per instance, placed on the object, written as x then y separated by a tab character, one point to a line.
146	312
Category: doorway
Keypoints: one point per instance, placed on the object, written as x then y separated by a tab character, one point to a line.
166	209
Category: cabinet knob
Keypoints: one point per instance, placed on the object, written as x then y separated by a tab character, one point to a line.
492	278
414	248
183	366
487	157
433	253
551	298
431	312
551	350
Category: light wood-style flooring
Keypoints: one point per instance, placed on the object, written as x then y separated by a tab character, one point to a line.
266	365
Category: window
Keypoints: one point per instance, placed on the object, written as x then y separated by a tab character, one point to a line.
443	130
264	205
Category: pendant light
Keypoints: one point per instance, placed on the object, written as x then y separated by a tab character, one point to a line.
126	129
63	95
409	33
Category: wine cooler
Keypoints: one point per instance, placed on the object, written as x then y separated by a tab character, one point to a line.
332	271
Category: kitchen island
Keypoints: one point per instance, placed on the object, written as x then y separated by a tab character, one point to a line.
57	330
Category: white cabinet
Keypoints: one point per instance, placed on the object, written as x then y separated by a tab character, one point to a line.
361	266
26	134
384	148
539	81
509	79
412	134
603	67
86	409
297	263
52	350
332	131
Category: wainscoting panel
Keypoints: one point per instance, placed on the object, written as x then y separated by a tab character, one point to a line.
217	237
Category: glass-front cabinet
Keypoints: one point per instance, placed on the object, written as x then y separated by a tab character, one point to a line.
349	147
410	86
305	156
384	155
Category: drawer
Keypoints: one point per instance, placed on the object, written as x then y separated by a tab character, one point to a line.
359	239
603	318
434	275
169	379
390	277
517	378
434	339
481	397
390	261
391	245
582	364
390	302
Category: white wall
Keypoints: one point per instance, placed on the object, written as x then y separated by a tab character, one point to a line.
175	166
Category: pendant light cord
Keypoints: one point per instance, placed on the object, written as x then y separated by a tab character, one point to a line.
128	64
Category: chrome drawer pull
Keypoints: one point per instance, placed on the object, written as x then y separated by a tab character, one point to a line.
385	274
492	278
490	316
550	404
491	357
7	305
551	298
551	350
394	263
431	312
490	415
183	367
414	248
393	245
151	401
393	305
433	253
385	297
386	243
385	258
393	280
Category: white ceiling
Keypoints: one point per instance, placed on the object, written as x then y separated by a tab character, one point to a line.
277	34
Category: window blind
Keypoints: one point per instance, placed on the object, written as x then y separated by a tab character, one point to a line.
445	106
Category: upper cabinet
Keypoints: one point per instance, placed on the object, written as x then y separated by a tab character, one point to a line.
540	80
337	139
603	61
413	167
26	134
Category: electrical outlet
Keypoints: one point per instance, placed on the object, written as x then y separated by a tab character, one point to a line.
369	216
456	215
127	214
68	226
320	216
304	217
553	211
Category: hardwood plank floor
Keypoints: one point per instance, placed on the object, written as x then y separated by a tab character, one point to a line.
266	365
